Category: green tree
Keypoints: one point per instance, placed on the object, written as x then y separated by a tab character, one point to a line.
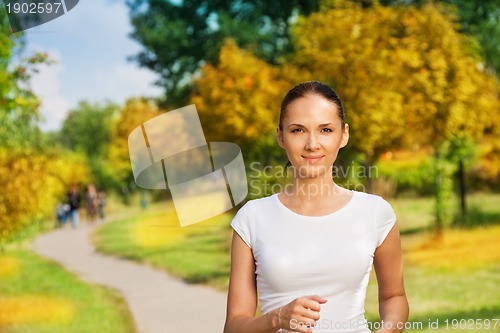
481	19
87	129
19	107
180	36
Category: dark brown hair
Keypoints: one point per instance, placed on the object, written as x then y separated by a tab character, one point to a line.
311	87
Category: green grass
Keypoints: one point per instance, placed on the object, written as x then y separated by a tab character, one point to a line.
196	253
416	214
200	253
48	299
435	294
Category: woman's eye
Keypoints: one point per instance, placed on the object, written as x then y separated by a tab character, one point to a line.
326	129
296	130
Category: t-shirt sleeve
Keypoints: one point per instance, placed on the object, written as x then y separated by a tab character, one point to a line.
243	224
385	220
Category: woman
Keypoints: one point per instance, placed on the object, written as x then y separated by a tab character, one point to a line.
308	251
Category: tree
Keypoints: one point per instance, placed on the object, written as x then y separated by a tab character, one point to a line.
480	19
354	50
87	130
487	170
19	107
407	77
32	184
463	109
32	177
133	114
239	99
180	36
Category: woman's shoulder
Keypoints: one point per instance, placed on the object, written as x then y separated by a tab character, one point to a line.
368	198
376	204
247	216
259	203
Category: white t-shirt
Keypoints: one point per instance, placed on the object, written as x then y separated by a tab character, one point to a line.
330	255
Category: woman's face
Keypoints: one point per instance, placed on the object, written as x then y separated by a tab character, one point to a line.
312	135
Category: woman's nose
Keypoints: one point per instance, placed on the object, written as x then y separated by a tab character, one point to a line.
312	143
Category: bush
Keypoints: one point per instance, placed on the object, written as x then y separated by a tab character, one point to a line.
414	176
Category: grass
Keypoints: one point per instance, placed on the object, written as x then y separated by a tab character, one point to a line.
197	253
446	295
38	296
458	249
452	277
416	214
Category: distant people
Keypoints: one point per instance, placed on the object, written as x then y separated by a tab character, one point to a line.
144	200
73	200
101	198
62	211
92	203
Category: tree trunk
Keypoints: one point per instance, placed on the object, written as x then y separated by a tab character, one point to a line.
443	190
369	179
438	193
461	179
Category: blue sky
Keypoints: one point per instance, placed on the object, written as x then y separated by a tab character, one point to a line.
91	45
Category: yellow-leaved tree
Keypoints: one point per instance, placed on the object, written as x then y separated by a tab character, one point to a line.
133	114
32	184
239	99
407	77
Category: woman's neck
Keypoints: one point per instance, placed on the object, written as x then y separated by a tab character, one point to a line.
313	189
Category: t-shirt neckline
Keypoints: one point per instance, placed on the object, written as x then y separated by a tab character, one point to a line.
318	217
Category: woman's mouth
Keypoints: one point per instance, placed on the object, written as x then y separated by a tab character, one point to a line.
313	159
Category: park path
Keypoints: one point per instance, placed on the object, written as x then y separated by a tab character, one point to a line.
158	302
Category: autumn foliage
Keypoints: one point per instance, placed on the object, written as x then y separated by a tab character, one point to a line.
134	113
32	184
238	100
407	76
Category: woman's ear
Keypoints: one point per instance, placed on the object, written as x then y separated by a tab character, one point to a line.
279	137
345	136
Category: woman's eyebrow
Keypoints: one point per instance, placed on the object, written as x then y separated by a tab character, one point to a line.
320	125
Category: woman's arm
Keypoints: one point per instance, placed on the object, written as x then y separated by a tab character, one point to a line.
242	294
242	300
388	263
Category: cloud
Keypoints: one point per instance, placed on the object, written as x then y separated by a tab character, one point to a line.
91	44
123	81
47	86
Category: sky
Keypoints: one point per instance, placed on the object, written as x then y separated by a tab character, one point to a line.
90	45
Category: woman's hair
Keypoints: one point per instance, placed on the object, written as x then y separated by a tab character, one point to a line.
311	87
